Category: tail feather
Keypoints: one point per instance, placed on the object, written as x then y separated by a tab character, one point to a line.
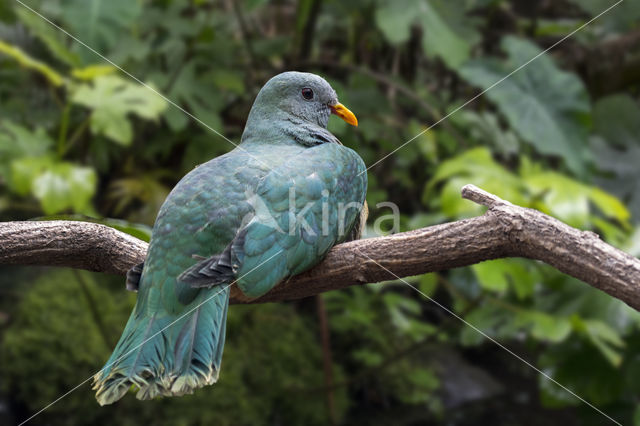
161	358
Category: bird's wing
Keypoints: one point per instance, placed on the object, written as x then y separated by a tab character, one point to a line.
301	209
211	271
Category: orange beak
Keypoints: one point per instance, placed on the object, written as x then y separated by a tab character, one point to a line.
344	113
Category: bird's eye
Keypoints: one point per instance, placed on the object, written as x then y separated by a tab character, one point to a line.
307	93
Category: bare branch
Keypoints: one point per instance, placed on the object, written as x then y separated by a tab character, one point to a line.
505	230
82	245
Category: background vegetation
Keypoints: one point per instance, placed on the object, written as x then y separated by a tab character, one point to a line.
78	138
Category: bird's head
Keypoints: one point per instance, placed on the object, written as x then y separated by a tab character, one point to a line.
301	95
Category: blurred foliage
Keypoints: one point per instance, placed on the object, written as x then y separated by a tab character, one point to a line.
80	139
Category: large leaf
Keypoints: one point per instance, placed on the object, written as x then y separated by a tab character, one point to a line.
496	275
198	94
570	200
485	128
446	32
50	36
548	107
57	185
17	141
473	166
543	326
111	98
99	23
395	20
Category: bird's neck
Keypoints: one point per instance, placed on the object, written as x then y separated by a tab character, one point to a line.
277	129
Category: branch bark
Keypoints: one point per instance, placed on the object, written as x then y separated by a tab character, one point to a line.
505	230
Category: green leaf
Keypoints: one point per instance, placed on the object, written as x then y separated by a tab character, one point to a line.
441	37
580	367
401	309
17	141
497	275
57	185
198	93
111	98
569	199
428	283
553	193
546	106
65	185
395	20
24	170
446	32
609	204
99	23
604	338
478	167
485	128
491	275
496	321
50	36
544	326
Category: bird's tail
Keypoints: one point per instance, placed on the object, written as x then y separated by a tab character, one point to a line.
167	355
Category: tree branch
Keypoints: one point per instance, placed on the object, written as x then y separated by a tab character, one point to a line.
505	230
82	245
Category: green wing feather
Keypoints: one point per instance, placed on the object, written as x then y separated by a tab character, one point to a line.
329	181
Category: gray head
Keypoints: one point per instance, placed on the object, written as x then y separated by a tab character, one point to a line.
297	97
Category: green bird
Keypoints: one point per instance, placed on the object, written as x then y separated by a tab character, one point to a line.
270	209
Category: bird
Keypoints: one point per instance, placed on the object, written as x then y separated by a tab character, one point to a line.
269	209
